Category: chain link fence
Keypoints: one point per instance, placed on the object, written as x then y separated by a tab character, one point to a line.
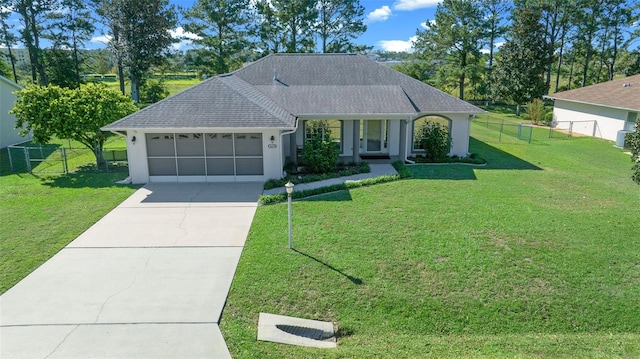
57	159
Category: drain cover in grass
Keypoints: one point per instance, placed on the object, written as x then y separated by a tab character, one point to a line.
296	331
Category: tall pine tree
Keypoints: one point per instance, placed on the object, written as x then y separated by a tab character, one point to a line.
519	74
221	27
339	23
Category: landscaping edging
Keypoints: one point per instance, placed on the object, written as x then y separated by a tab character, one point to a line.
281	197
448	164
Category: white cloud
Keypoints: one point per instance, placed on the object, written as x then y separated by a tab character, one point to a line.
484	51
185	38
380	14
409	5
179	33
425	25
398	45
104	39
498	44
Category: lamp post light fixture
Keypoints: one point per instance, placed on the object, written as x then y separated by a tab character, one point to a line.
289	188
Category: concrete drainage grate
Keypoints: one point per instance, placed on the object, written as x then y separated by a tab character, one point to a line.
296	331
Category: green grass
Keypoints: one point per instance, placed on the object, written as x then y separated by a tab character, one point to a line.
42	214
536	255
173	85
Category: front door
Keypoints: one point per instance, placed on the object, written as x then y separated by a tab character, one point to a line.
374	136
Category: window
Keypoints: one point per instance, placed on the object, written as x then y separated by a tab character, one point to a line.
423	122
326	129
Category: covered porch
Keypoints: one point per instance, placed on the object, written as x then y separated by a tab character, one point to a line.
376	140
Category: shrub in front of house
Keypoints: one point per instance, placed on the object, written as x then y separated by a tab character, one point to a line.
319	155
633	141
435	141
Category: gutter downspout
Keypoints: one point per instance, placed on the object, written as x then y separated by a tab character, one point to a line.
281	143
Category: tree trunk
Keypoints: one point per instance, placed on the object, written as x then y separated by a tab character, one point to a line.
121	76
558	69
463	65
587	59
76	61
135	87
11	58
97	151
518	110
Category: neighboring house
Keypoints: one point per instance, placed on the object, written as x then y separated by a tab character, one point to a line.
605	110
246	125
8	134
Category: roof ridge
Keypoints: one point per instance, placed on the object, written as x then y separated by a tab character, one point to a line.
258	98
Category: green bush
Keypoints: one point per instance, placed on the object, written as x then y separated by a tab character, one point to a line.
435	141
548	118
536	111
633	141
153	91
320	155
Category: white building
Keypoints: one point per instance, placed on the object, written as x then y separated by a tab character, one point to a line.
246	125
8	134
607	110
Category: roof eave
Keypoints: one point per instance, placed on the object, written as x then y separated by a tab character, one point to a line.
194	129
593	103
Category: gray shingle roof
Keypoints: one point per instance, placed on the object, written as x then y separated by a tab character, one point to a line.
218	102
339	99
349	70
619	93
304	84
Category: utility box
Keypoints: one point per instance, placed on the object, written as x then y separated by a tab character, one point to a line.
621	137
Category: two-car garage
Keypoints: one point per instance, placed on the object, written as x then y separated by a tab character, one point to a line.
200	157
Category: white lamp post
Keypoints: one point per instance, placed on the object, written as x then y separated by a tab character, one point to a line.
289	188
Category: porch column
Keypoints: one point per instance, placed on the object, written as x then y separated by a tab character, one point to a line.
356	140
403	140
293	148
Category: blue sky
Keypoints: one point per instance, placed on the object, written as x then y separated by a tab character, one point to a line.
391	23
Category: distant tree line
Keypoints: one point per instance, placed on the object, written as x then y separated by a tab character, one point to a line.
545	45
549	45
224	33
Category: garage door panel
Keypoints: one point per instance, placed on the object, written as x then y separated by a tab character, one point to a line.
220	166
160	144
219	144
249	166
196	156
191	167
248	144
162	167
190	144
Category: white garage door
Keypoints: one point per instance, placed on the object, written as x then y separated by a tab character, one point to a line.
204	156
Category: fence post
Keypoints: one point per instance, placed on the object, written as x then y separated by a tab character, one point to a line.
570	128
27	159
10	160
65	166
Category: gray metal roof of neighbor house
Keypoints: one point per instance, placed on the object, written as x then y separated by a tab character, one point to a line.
623	93
273	91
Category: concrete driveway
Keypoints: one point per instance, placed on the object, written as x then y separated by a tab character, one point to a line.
149	280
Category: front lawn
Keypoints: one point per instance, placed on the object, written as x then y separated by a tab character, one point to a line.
536	255
42	214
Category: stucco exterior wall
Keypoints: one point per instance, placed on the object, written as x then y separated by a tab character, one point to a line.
460	131
8	134
608	121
